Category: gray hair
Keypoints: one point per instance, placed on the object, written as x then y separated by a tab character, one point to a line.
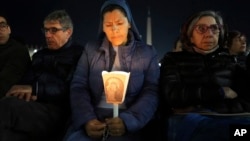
188	26
62	16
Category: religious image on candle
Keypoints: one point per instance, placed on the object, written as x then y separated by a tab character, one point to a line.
115	86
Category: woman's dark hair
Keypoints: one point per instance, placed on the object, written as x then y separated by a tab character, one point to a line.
231	35
5	17
176	41
112	7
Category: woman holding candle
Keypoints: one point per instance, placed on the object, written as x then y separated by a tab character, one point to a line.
119	48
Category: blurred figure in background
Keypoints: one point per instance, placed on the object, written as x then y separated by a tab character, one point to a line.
177	45
14	58
236	46
236	43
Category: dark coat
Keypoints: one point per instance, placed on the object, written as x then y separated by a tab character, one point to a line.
194	80
142	93
51	73
14	62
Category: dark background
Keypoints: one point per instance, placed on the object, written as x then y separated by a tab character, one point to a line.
26	17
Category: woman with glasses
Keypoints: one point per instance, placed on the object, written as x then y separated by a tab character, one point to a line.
196	84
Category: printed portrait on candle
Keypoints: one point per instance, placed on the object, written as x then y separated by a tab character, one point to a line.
114	90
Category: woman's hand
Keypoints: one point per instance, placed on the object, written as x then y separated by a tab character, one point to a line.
116	126
94	128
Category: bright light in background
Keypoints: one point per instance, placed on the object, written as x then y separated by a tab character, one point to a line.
35	50
32	51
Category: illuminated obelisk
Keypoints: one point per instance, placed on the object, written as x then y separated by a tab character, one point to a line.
149	30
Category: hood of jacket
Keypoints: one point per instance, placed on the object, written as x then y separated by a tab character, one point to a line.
125	6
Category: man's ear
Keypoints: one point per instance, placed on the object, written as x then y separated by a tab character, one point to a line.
69	32
9	29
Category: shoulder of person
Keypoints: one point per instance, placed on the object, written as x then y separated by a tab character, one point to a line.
145	48
77	47
181	56
178	54
77	44
143	44
92	46
16	43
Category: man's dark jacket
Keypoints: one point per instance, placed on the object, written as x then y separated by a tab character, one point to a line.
14	62
52	72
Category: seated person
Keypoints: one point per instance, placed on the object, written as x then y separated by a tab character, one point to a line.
39	109
14	58
198	81
236	43
118	48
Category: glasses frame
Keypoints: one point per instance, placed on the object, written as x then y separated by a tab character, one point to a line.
206	28
52	30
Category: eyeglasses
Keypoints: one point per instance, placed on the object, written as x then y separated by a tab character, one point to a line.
3	25
52	30
202	28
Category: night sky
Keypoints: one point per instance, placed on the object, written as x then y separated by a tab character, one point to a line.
26	18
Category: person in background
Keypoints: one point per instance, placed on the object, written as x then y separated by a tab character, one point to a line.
177	45
196	85
236	43
37	109
118	48
14	58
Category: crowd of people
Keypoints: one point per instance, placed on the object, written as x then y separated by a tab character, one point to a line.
197	93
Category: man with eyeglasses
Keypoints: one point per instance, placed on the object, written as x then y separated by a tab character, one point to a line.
199	81
38	108
14	58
